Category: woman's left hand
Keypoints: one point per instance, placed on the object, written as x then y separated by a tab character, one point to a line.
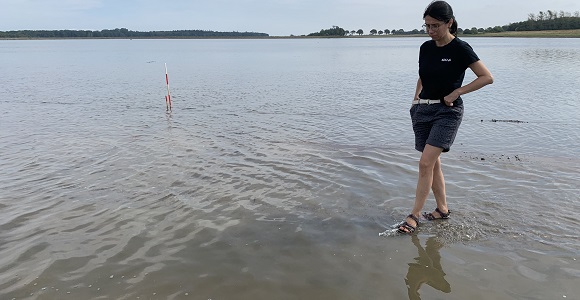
451	97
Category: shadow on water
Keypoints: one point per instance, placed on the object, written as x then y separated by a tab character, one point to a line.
426	268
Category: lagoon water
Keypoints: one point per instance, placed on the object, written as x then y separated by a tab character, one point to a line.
279	165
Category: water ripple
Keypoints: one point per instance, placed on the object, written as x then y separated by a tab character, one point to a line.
273	181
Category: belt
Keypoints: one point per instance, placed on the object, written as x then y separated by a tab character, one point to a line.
426	101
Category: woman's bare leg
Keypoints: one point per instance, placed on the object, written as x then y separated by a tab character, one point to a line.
427	163
438	188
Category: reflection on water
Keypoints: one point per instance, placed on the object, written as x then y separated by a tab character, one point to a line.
426	268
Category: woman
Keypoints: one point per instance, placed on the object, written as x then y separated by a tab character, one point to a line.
437	107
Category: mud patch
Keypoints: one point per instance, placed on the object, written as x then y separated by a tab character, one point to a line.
492	157
504	121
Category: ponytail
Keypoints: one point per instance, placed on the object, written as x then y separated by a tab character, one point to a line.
453	28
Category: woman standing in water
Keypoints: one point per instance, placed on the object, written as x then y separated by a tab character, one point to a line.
437	107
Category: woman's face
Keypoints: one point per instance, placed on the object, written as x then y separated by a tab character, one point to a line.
435	28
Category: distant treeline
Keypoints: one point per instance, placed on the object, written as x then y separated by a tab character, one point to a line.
550	20
124	33
334	31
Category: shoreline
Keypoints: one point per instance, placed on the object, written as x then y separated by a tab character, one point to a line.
574	33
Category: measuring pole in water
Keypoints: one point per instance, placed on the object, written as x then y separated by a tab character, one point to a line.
168	97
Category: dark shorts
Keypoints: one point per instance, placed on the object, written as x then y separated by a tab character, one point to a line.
436	124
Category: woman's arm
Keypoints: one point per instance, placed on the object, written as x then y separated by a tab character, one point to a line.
418	89
484	78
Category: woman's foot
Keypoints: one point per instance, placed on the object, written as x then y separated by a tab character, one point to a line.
409	225
437	215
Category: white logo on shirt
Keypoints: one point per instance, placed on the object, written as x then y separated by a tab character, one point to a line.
446	59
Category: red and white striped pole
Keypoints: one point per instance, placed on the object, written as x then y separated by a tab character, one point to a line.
168	97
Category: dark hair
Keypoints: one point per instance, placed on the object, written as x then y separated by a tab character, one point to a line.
442	11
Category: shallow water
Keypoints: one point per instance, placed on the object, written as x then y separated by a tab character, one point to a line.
279	165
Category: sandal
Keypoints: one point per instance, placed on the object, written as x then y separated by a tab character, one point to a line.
442	215
408	227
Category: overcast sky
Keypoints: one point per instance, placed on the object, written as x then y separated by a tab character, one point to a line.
275	17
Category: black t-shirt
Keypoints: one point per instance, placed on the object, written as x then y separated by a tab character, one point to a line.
442	69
